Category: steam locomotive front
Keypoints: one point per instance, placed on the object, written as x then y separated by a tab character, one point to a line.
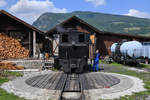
73	51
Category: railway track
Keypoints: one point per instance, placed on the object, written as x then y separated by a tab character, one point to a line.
72	88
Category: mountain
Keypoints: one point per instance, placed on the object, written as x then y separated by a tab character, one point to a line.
103	22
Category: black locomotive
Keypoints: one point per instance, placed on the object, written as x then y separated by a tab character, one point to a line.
73	51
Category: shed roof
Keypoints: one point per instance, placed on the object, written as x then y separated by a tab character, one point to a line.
93	28
20	21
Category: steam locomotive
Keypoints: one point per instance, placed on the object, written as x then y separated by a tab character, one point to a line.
73	51
130	52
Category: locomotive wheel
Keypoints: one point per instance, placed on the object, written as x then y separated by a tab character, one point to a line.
135	64
67	71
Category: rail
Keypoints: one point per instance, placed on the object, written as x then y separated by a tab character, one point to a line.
72	84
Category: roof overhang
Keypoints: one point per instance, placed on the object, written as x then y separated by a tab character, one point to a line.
20	21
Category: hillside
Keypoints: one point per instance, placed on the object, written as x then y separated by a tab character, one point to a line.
104	22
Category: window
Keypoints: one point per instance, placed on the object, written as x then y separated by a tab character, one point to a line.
81	38
64	38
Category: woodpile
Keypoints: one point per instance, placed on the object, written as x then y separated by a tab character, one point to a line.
10	66
11	48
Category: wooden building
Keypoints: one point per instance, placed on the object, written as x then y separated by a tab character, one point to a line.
30	37
103	40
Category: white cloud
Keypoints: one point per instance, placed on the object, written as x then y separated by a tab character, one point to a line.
137	13
30	10
96	2
3	3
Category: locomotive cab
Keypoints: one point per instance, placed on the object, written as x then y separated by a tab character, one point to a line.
73	51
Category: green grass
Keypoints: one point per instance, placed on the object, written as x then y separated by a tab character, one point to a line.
7	74
142	75
4	77
8	96
143	65
3	80
115	64
53	69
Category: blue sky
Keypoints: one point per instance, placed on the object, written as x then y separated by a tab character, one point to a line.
30	10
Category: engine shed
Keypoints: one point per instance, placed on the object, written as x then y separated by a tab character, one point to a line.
29	37
101	40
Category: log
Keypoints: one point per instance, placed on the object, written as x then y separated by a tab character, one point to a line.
11	48
10	66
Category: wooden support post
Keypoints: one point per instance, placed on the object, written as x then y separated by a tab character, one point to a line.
34	44
30	44
52	47
95	41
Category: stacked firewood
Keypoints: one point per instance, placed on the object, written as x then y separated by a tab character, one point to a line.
11	48
10	66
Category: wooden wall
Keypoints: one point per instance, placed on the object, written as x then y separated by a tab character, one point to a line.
24	34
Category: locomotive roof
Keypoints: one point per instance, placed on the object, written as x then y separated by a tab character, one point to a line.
97	31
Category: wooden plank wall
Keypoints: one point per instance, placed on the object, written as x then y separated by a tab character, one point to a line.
104	42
